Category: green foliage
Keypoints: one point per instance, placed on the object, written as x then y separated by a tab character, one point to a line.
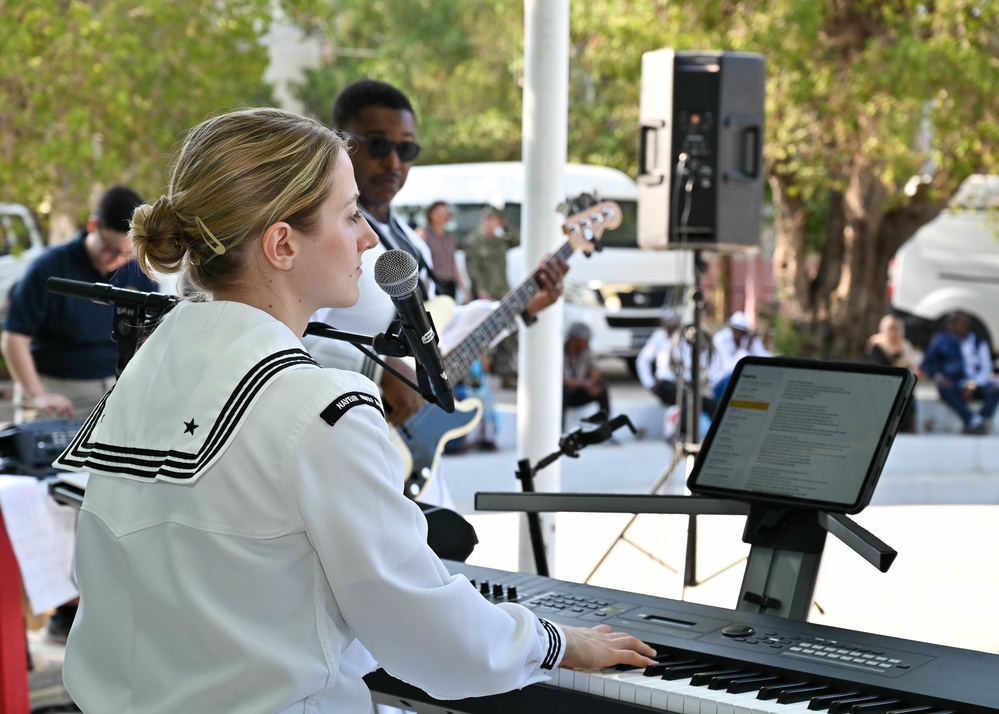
843	86
93	93
98	93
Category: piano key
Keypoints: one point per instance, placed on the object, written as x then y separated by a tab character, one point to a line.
659	690
722	681
750	684
772	691
881	706
701	679
744	703
843	706
799	708
656	670
801	694
912	710
821	702
686	671
770	708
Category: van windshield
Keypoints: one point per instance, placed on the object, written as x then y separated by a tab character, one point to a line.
466	218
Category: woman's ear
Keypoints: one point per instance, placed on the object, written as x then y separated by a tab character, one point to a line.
279	245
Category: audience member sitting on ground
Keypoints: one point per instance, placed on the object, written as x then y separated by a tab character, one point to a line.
889	347
960	362
733	342
582	382
664	355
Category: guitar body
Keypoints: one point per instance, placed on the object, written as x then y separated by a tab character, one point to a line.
422	438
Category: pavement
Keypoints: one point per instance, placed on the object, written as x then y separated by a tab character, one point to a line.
937	504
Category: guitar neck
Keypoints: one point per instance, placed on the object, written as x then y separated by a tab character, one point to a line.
458	361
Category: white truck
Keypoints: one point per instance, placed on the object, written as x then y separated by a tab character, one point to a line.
952	263
618	292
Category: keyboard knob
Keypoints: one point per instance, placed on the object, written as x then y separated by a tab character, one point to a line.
737	631
484	587
511	592
497	590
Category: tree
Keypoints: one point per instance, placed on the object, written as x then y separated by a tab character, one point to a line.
98	93
876	111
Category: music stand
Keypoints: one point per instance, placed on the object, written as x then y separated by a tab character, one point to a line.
798	444
785	544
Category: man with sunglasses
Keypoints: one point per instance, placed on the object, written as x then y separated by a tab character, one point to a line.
59	349
380	124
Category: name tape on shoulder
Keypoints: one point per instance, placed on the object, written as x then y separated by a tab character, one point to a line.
331	414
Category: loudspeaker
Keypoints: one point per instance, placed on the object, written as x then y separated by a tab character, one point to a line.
700	182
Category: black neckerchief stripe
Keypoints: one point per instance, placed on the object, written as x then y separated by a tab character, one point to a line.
149	463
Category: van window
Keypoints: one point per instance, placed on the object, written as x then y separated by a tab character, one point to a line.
466	218
17	236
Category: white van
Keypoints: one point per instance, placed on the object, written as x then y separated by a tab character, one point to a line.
952	263
20	243
617	292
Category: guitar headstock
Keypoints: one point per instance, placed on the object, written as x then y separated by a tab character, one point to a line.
585	228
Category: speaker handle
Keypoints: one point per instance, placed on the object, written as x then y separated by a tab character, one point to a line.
749	147
655	176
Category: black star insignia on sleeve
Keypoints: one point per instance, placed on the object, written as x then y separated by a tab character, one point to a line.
190	426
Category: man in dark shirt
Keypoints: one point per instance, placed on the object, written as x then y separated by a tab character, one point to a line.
59	349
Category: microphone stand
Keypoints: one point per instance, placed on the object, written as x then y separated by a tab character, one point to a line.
134	311
593	430
390	343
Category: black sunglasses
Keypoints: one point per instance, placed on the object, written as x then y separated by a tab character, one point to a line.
379	147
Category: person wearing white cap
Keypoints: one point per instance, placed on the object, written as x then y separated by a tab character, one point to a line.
735	341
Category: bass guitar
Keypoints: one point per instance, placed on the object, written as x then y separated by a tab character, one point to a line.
421	438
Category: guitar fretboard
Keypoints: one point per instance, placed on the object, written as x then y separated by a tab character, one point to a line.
458	361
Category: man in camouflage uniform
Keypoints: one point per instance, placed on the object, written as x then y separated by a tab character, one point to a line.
485	261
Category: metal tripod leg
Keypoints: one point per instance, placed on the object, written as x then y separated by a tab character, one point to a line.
680	452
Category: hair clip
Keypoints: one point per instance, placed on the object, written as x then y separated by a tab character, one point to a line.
209	237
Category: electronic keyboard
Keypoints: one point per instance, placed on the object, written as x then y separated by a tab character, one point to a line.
717	661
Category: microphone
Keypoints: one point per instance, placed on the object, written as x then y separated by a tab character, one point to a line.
110	295
397	273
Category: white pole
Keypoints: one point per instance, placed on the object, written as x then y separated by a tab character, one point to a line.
539	391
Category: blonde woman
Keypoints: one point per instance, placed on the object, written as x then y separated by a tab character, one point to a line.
245	541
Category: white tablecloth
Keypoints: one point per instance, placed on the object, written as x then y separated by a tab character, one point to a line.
43	536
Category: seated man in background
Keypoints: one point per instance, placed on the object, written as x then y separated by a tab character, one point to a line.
733	342
960	362
582	382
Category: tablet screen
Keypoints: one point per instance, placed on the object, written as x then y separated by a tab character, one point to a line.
802	432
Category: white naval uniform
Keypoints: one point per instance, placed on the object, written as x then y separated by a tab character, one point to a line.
244	522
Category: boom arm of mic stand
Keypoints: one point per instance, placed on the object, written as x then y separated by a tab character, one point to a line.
382	344
389	343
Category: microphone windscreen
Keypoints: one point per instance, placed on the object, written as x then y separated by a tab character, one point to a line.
397	273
